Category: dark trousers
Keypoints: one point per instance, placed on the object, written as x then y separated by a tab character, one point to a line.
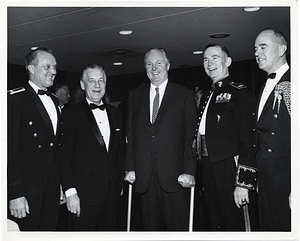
101	217
162	211
274	187
219	184
42	185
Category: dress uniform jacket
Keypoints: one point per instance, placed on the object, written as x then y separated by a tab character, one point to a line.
86	164
230	128
274	158
32	157
229	132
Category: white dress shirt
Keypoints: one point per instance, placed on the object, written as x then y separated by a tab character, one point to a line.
203	119
162	89
270	85
49	106
102	122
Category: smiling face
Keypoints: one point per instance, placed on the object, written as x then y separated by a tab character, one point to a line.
216	63
157	67
269	52
94	84
43	72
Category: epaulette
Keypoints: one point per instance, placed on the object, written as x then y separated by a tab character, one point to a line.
238	85
16	90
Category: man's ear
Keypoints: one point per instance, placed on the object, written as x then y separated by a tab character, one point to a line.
168	66
281	50
82	85
31	69
228	61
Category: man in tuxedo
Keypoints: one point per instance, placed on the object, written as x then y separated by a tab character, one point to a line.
274	133
92	154
33	135
225	141
160	159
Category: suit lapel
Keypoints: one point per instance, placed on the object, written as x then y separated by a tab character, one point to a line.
146	101
40	107
166	97
93	124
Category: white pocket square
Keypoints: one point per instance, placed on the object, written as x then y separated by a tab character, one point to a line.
117	129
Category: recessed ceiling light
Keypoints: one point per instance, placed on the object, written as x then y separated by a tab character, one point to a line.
117	63
33	48
125	32
251	9
198	52
219	35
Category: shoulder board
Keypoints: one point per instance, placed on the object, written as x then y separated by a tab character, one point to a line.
238	85
16	90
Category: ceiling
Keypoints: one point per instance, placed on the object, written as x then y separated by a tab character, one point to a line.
81	35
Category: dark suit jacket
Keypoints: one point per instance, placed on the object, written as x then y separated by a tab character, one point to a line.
167	144
230	128
30	138
274	128
85	163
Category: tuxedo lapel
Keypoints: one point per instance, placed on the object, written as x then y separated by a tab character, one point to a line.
111	126
40	107
270	100
93	124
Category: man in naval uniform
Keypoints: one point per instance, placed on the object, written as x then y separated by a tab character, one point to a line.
274	133
33	133
225	138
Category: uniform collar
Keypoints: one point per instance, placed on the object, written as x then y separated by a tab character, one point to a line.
221	83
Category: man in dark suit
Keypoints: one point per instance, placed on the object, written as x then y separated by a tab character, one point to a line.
225	141
160	159
33	133
92	154
274	133
62	94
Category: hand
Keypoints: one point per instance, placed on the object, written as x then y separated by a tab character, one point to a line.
186	180
130	177
241	196
19	207
73	204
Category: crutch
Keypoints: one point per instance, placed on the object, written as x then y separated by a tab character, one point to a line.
191	221
129	207
246	218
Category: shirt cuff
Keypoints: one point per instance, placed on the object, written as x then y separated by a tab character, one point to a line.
71	191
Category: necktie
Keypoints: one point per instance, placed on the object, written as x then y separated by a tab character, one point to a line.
155	105
93	106
271	76
44	92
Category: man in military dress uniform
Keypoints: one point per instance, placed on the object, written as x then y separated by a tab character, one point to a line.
225	145
33	131
274	133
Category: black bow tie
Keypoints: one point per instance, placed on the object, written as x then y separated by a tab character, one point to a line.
271	76
93	106
44	92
